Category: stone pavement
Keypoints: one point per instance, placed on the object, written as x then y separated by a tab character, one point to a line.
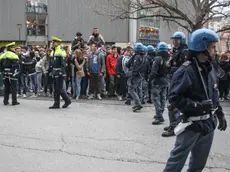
90	136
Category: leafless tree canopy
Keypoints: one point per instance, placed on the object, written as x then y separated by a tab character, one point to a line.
189	14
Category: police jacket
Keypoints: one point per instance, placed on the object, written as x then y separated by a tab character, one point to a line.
225	66
186	90
138	64
58	61
151	58
9	64
178	57
159	72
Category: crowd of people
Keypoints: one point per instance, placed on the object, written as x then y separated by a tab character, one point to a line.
193	78
94	70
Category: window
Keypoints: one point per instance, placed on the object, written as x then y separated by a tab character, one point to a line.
36	17
38	6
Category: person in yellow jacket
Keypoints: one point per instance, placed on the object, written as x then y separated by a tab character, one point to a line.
58	67
9	67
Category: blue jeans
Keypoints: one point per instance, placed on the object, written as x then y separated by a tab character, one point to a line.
76	83
189	141
33	80
39	81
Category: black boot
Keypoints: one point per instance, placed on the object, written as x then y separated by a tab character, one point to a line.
166	128
149	101
67	103
5	103
158	121
169	132
136	108
15	103
55	106
128	102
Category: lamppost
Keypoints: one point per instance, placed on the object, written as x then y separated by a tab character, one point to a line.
19	31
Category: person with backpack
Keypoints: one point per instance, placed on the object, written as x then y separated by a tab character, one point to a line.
160	81
151	57
137	64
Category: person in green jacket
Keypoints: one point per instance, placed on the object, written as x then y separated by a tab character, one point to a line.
78	42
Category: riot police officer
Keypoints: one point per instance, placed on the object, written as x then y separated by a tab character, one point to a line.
159	80
194	92
58	65
151	57
180	51
9	66
137	63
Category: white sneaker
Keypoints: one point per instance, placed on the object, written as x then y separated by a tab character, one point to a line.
91	96
34	95
119	98
99	97
24	96
77	98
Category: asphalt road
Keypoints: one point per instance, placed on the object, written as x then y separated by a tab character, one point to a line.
91	136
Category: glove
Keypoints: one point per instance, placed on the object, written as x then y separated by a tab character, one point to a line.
222	121
206	105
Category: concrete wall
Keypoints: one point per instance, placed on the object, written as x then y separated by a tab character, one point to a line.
12	12
68	17
65	18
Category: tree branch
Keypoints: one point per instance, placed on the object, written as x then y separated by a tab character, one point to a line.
223	29
178	23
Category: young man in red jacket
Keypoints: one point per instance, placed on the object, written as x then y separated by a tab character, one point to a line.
111	62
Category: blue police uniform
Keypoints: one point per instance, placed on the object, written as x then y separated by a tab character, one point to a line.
194	92
137	63
159	80
178	58
151	57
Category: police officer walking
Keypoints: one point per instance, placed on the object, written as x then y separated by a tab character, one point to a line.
180	51
57	66
193	91
151	58
9	66
159	80
138	64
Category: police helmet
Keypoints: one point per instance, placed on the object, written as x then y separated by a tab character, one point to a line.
162	47
200	39
145	49
139	48
151	49
179	35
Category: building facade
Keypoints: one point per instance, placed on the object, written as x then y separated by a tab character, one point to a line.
36	21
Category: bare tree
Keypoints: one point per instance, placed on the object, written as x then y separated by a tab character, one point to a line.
189	14
228	43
